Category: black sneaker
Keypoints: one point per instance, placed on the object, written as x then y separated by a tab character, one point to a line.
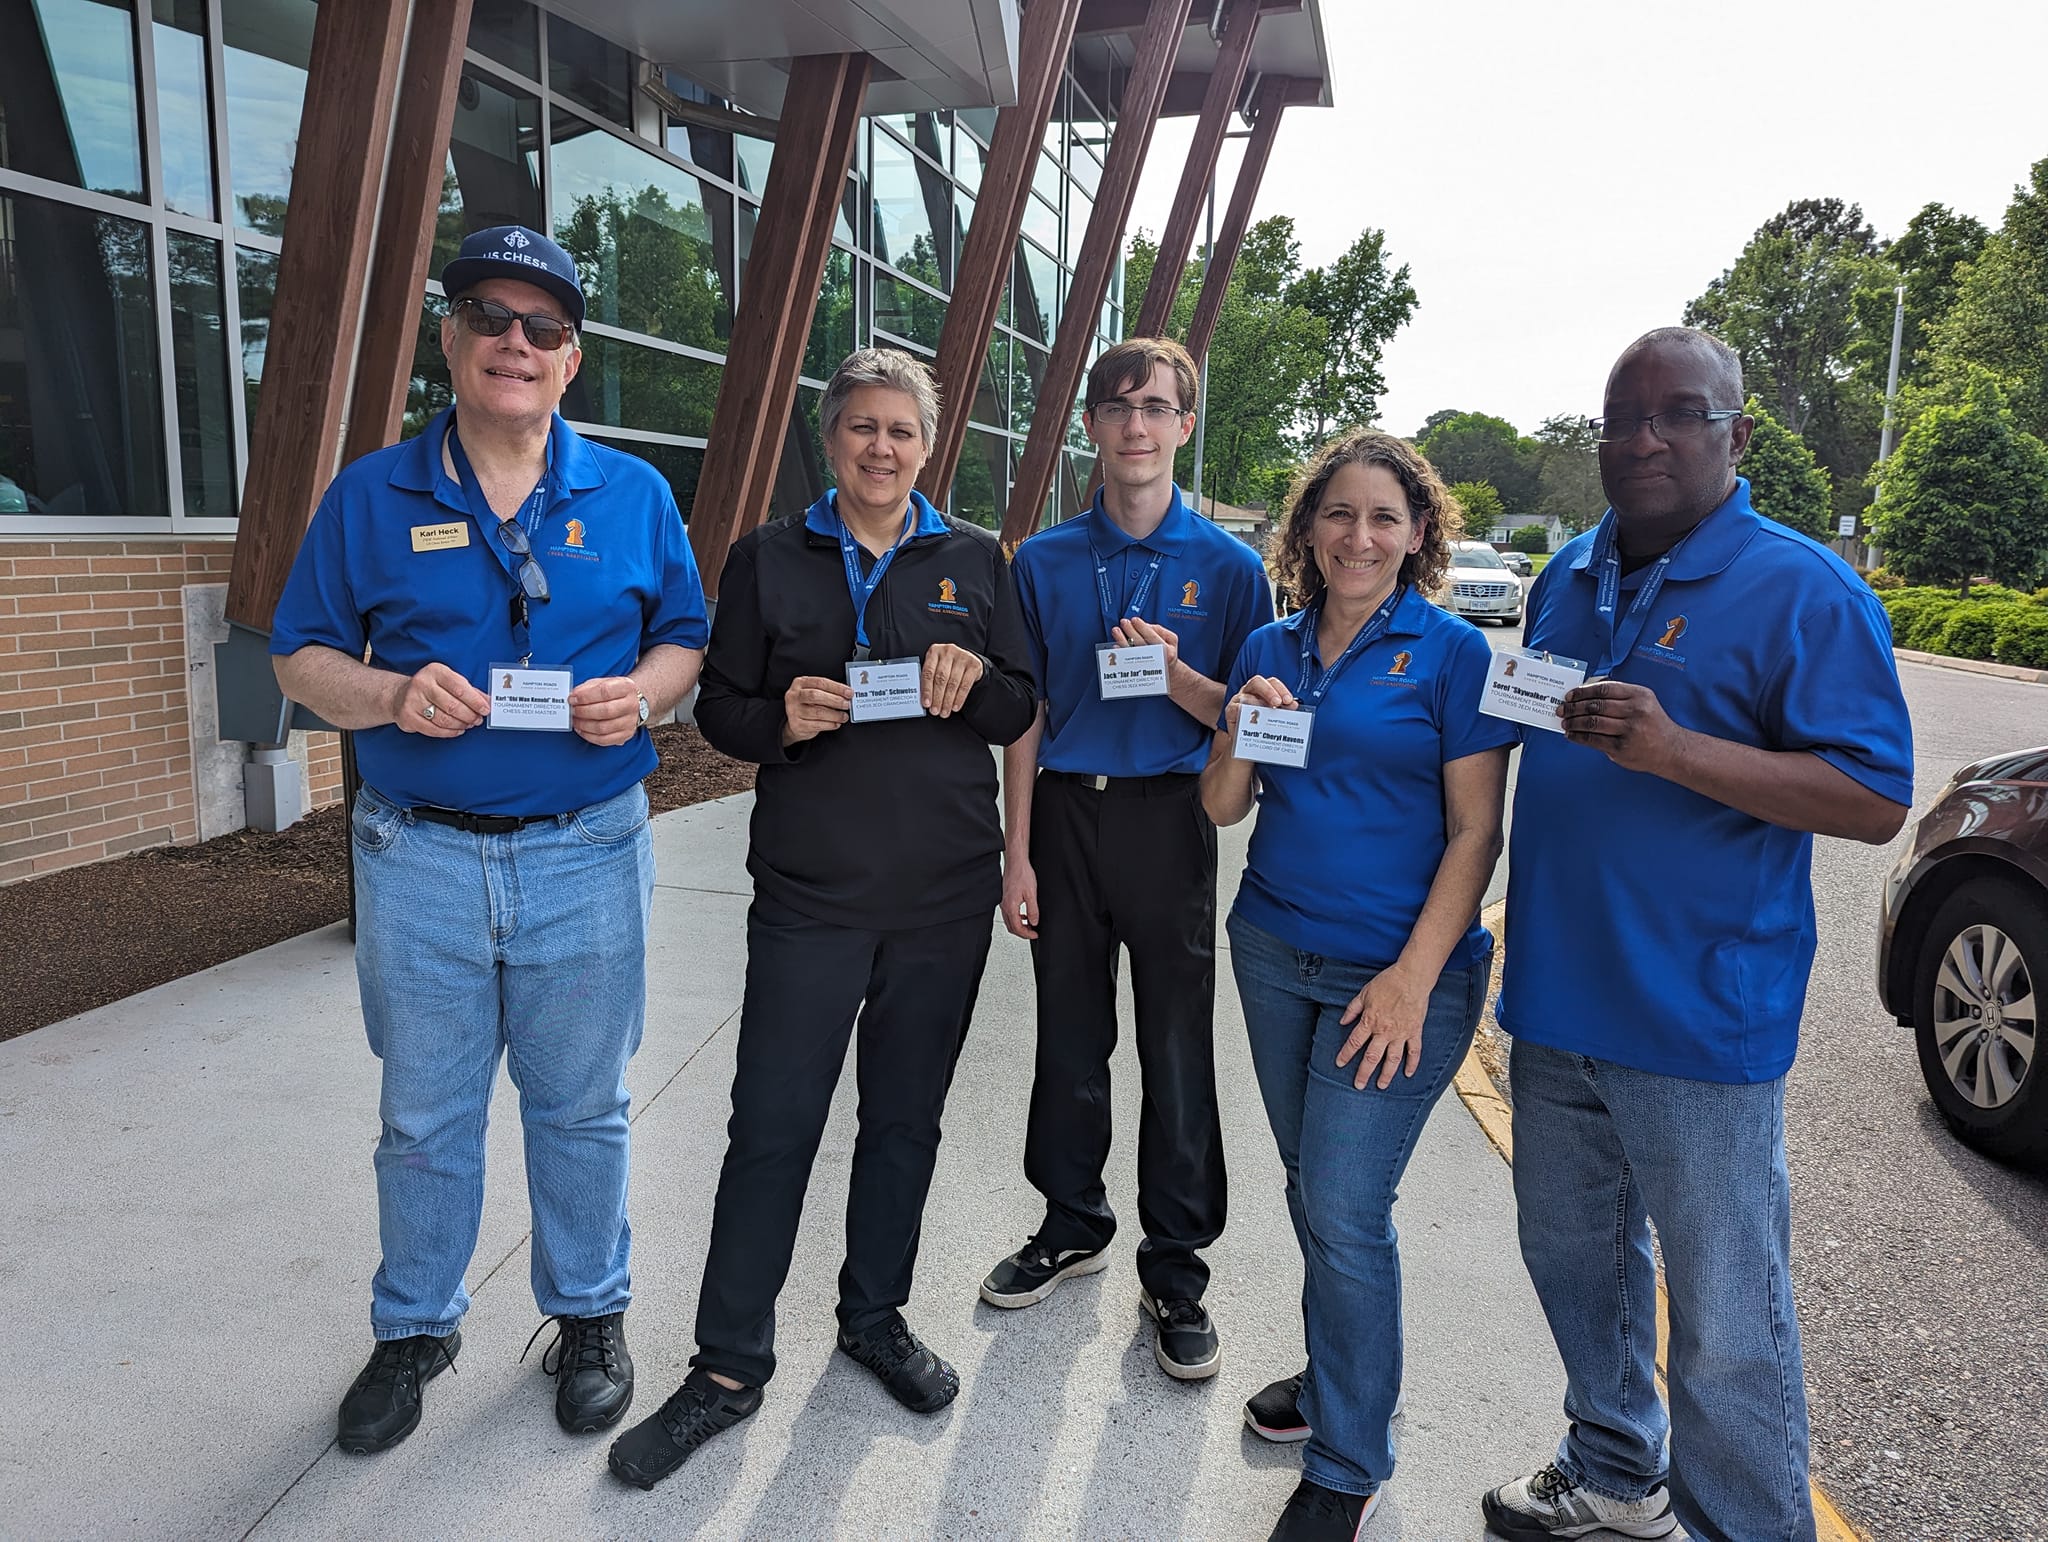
593	1373
383	1405
1034	1271
1275	1413
915	1377
694	1412
1318	1514
1546	1503
1186	1348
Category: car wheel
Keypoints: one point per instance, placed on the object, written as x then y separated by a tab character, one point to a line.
1977	991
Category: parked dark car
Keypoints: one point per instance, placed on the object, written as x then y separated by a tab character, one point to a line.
1518	563
1962	955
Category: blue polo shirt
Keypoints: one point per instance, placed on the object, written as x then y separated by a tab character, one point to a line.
1649	925
405	560
1206	586
1346	847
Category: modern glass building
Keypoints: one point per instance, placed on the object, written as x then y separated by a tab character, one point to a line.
146	156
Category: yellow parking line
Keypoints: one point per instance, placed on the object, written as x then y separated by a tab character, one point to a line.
1496	1119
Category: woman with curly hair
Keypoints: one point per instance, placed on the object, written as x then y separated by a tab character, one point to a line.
1355	939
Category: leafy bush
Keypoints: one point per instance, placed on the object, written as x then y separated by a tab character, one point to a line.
1997	594
1883	580
1918	616
2041	596
1972	631
1532	539
2023	639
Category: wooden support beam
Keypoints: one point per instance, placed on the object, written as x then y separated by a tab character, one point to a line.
1267	107
329	224
991	246
757	389
405	227
1100	247
1104	18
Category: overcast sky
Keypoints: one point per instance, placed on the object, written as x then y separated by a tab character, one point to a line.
1561	178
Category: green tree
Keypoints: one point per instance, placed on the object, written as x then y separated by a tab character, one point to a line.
1568	472
1999	321
1966	493
1936	242
1533	539
1473	447
1362	305
1482	505
1785	482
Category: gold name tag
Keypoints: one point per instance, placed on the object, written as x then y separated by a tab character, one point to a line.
440	537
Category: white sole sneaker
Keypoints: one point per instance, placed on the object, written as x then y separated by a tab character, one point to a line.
1093	1263
1174	1368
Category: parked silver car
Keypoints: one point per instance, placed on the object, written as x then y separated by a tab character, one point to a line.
1479	586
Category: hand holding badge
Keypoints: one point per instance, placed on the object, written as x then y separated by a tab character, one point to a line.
1526	685
1268	725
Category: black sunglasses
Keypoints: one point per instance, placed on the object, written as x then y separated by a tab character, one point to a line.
487	318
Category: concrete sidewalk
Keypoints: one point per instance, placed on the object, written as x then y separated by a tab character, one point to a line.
190	1232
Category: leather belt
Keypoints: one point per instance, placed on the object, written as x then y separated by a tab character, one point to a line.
1166	784
479	824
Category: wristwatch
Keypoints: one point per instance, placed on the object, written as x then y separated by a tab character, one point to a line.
644	709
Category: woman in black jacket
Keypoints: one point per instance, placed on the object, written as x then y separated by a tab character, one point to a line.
866	655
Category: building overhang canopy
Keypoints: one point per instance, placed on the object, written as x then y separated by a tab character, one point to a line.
927	53
1289	52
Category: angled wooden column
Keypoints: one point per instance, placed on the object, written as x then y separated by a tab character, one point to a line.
1177	240
1165	21
991	247
405	224
328	228
757	389
1271	100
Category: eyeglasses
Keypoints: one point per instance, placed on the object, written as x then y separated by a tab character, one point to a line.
1678	423
533	582
487	318
1116	413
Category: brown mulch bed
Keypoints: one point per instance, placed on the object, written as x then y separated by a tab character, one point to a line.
86	936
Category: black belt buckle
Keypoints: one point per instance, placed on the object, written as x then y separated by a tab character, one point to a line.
477	824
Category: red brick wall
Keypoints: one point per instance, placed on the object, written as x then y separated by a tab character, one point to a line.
95	748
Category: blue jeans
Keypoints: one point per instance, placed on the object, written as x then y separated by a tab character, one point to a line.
1601	1151
1344	1150
532	944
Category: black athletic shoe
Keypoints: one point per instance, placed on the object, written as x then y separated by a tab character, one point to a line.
1318	1514
915	1377
1275	1413
383	1405
1034	1271
1186	1348
593	1373
694	1412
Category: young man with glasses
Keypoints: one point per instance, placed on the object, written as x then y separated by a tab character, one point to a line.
1742	698
496	608
1136	611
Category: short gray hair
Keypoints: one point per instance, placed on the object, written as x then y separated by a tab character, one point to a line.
882	367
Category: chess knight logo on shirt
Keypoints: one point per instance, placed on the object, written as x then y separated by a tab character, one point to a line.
1190	600
948	602
1397	671
1665	649
571	544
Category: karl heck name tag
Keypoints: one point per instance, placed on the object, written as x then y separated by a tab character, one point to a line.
884	689
523	697
1136	671
440	537
1529	687
1274	736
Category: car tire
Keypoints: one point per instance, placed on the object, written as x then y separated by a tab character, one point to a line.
1988	920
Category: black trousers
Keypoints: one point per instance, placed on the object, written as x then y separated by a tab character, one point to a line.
1131	865
913	993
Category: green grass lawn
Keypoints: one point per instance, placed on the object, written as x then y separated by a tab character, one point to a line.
1537	559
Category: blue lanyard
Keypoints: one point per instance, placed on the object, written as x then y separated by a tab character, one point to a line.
532	514
1110	614
1606	561
1314	684
861	589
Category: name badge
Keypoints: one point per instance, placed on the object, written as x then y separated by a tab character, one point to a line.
1139	671
440	537
1525	686
1275	736
524	697
884	689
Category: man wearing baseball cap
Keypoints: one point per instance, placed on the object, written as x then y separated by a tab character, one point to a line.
526	601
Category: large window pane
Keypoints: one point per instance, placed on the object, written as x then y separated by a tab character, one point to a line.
67	95
913	214
493	172
268	44
81	417
992	395
909	312
429	389
832	324
256	297
800	474
199	359
1042	223
1027	375
627	385
652	244
178	35
979	485
969	160
680	465
590	71
1036	289
505	30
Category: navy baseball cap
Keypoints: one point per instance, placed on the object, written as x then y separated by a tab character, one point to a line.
513	251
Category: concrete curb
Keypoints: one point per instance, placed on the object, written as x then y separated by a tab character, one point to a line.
1974	666
1497	1121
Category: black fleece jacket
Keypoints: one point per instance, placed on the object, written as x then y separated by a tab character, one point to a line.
872	825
